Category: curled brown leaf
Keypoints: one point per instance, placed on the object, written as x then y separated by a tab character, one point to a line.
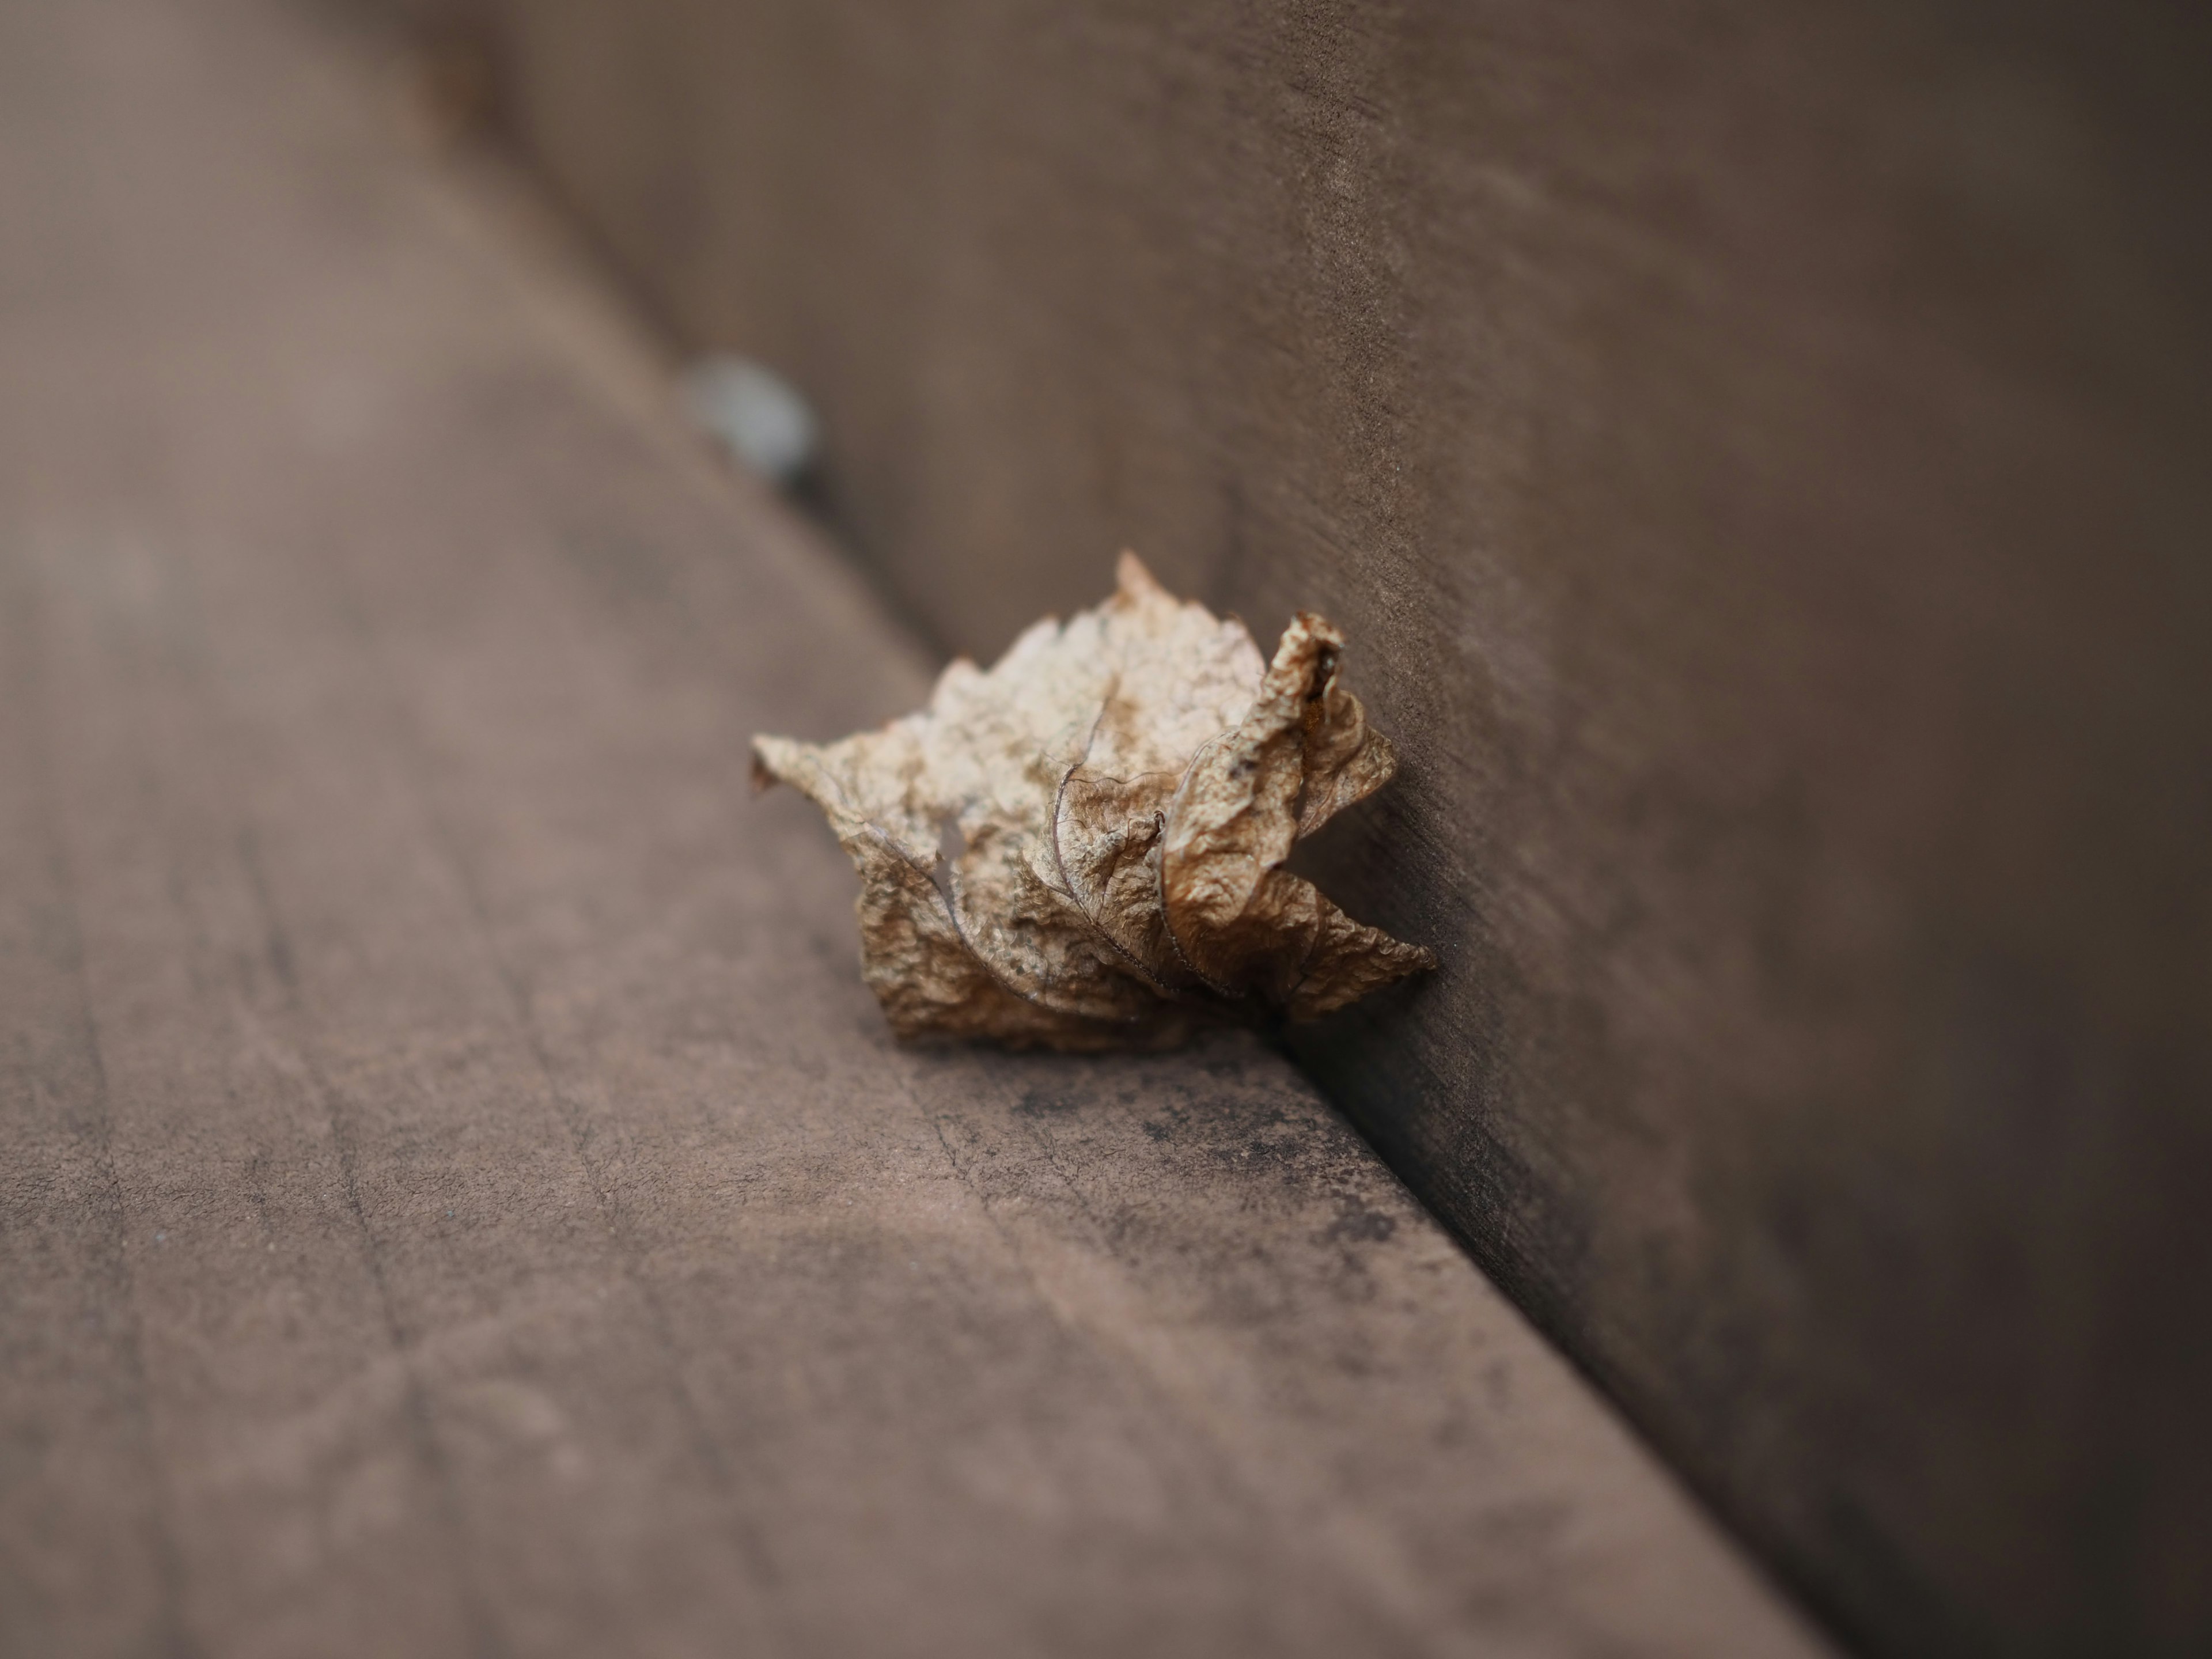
1083	847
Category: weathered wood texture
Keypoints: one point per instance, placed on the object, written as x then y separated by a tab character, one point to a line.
455	1194
1760	455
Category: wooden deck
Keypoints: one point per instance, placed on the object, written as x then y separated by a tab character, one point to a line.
455	1194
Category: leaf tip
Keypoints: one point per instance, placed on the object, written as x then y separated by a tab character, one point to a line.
1134	582
767	768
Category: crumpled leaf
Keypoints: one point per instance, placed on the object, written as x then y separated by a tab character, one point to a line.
1083	847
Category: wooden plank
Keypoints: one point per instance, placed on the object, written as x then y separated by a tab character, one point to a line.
459	1197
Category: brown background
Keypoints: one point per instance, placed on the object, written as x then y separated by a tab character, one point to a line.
1759	453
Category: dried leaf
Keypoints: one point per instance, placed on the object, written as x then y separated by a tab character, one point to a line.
1083	847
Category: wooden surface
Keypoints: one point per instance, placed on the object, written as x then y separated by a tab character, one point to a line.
1760	454
455	1194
